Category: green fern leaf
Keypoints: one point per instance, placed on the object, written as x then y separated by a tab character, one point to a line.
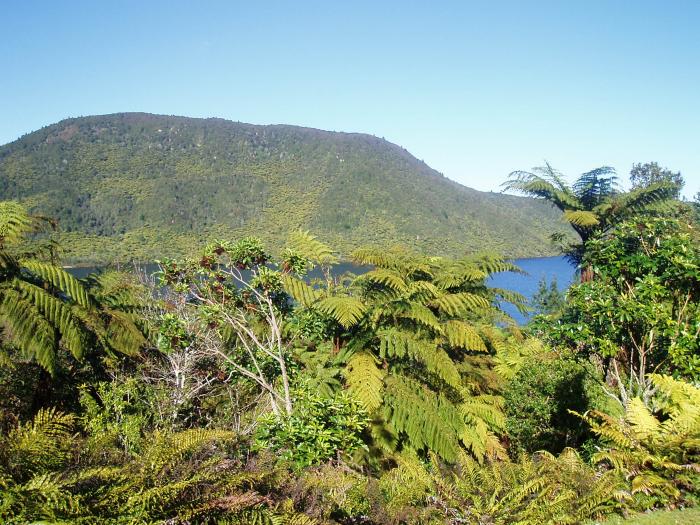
365	380
346	310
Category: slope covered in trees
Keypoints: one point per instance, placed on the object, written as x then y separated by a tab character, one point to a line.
125	185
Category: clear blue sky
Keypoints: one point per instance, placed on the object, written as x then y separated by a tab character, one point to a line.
476	89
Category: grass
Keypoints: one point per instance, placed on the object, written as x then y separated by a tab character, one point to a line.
673	517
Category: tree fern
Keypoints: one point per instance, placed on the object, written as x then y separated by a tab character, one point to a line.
406	331
428	419
593	203
47	309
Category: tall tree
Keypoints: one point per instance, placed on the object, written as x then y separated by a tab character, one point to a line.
649	173
593	203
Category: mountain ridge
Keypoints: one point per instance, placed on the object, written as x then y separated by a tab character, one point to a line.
138	185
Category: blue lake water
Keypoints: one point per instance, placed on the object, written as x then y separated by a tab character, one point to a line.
526	284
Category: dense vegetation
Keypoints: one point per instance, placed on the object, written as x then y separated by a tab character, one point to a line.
144	186
232	387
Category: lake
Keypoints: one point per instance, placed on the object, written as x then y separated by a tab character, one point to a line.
526	284
549	268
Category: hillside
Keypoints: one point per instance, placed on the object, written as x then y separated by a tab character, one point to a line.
137	185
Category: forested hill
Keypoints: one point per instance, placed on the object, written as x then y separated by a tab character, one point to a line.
136	185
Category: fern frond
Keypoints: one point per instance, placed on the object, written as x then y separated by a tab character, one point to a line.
299	290
31	332
486	409
396	343
385	277
459	303
309	246
422	315
428	421
422	291
59	314
60	279
365	380
638	200
373	257
643	423
168	449
15	222
41	444
123	333
585	219
460	334
346	310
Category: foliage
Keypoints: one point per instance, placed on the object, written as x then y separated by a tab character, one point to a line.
18	383
185	477
277	391
45	309
542	489
135	186
640	311
230	318
319	429
117	411
335	493
656	451
409	333
548	300
538	400
593	204
30	454
650	173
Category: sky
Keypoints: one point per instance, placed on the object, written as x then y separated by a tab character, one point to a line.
475	89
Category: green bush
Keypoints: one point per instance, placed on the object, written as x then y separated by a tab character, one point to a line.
320	428
117	412
538	400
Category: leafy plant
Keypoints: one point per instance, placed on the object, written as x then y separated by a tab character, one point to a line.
320	429
118	412
593	204
639	312
542	489
657	451
538	400
46	309
409	331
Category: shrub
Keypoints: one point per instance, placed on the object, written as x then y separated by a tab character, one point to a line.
319	429
117	412
538	400
656	450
